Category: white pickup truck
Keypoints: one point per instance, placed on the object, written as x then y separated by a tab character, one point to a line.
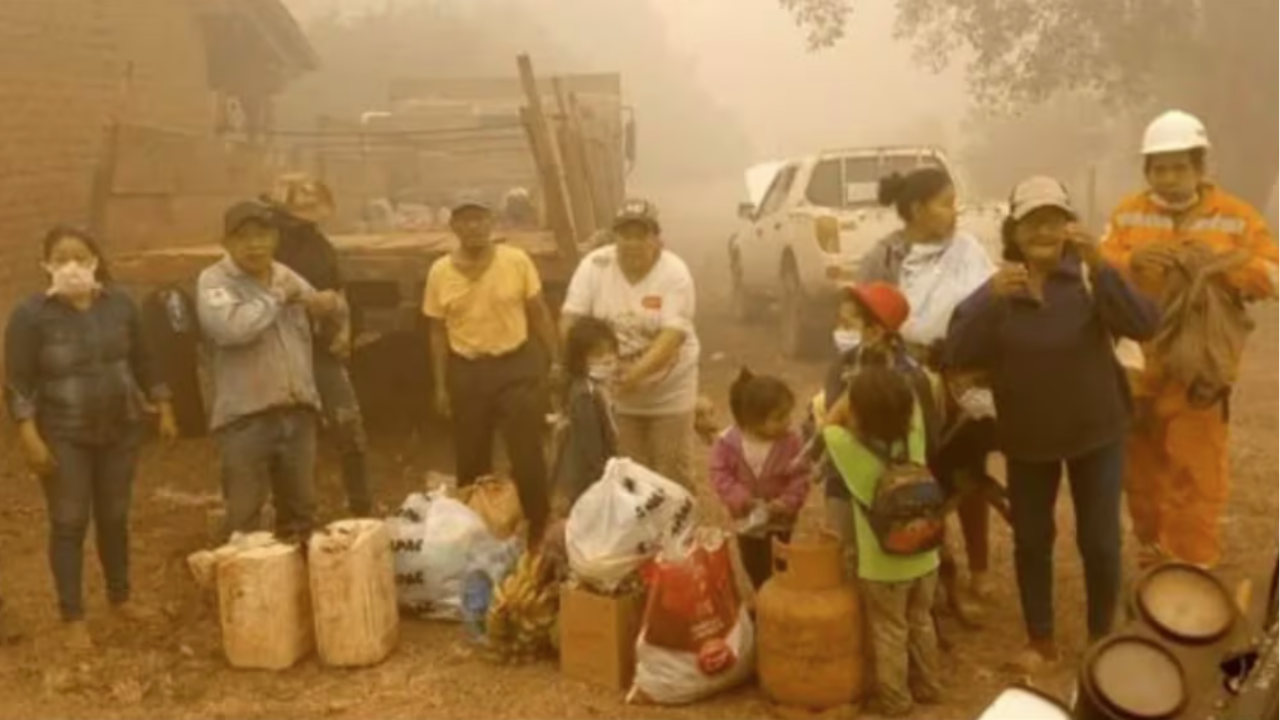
808	225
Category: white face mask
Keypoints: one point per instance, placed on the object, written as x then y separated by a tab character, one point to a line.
847	340
72	279
603	371
977	404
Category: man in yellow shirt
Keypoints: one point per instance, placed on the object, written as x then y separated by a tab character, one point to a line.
485	305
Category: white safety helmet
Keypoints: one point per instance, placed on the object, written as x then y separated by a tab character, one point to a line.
1175	131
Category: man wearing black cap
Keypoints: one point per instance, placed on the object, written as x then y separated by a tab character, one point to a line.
487	314
257	316
302	205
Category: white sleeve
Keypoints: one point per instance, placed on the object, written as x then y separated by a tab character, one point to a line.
578	300
680	306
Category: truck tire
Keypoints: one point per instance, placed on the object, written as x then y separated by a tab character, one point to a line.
173	333
800	320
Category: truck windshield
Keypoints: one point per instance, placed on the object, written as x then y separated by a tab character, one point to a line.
853	183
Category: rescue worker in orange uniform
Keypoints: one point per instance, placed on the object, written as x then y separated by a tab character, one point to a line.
1178	475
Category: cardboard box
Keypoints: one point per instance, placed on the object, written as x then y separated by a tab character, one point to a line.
598	636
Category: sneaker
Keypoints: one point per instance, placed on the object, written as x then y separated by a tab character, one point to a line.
1036	659
879	709
76	638
131	612
928	697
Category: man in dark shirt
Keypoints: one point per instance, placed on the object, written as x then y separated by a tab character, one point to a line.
302	204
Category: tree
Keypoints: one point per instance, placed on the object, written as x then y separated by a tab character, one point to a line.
1212	57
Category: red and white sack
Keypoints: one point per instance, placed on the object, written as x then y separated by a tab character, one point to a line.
698	639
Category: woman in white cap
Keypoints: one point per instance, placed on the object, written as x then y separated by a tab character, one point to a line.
1044	332
647	296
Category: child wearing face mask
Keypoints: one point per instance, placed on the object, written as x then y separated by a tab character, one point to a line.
759	471
591	438
871	318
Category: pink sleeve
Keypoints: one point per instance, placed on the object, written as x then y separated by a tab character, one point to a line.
725	479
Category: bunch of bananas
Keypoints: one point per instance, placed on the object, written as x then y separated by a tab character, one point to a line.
523	616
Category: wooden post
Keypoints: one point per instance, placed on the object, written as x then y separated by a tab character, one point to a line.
543	145
610	173
577	166
104	180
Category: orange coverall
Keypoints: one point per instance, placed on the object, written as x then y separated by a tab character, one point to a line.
1178	473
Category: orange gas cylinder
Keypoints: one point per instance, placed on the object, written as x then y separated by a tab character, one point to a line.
811	646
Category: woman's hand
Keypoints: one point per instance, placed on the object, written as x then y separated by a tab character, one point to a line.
628	381
36	453
168	423
1088	249
1013	281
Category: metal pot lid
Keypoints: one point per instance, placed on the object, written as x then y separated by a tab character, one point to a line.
1187	604
1116	667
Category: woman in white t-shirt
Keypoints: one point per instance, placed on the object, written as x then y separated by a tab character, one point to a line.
647	295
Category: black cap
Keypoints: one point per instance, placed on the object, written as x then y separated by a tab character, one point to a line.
638	211
470	200
242	214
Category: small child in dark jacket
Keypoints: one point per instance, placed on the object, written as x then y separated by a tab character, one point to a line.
758	469
591	439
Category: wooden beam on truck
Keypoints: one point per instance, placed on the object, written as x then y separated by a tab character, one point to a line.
543	143
577	166
606	148
598	159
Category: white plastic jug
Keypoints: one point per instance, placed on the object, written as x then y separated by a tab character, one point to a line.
353	593
264	603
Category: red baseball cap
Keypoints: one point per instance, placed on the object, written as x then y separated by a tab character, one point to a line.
884	302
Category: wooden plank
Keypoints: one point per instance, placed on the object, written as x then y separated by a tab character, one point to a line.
544	150
577	176
595	168
480	90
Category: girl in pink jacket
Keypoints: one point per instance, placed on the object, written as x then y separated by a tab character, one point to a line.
758	469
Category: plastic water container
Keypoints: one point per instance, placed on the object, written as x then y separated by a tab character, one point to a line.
353	593
477	595
264	605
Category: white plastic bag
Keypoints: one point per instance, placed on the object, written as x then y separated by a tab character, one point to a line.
623	521
434	537
698	639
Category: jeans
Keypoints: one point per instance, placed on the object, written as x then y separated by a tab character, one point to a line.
1097	480
272	454
92	482
503	394
345	424
905	643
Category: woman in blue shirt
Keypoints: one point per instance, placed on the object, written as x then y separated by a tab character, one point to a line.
77	369
1044	331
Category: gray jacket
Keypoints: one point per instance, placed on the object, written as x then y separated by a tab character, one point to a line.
260	347
883	264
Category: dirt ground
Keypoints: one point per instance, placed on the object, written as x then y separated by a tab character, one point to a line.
173	668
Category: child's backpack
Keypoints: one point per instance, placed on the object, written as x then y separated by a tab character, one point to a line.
908	513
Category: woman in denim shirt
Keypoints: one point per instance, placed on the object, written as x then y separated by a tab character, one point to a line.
77	369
